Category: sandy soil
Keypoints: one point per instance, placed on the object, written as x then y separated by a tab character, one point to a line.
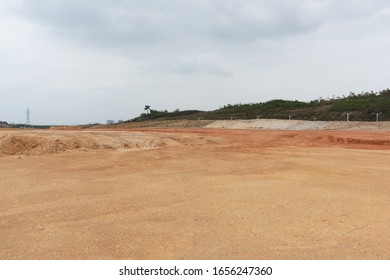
272	124
194	194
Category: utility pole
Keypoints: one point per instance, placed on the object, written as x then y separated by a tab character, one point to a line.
348	114
289	116
377	116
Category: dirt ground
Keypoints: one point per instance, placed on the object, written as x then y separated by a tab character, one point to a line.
194	194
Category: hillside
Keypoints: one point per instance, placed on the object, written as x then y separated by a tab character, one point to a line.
359	107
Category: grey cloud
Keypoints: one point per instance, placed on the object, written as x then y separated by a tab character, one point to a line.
205	66
251	20
207	69
114	22
202	67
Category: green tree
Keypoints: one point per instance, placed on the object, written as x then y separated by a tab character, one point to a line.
147	109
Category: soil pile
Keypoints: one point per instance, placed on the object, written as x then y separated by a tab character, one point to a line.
39	143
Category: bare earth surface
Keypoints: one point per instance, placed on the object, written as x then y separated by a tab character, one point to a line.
194	194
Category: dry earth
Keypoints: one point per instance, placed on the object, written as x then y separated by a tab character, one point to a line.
194	194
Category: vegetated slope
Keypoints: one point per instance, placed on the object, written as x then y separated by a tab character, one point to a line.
361	107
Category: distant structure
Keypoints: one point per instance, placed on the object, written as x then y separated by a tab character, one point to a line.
110	122
120	121
28	117
3	124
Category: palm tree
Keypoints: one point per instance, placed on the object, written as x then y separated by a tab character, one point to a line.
147	109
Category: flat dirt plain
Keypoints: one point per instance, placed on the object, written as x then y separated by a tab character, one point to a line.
194	194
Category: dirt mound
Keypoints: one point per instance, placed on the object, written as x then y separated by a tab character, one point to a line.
17	145
38	143
42	143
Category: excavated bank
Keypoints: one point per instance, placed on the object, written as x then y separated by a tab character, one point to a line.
274	124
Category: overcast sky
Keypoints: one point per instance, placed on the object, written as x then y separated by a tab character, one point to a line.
83	61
